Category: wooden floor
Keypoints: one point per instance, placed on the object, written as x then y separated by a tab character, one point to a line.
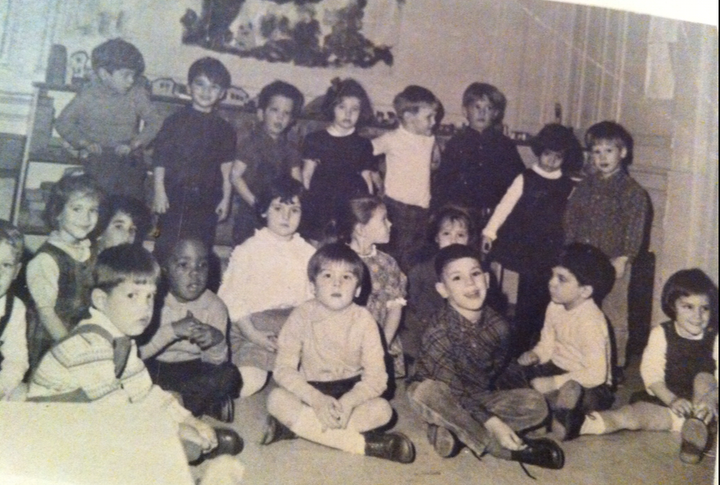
623	458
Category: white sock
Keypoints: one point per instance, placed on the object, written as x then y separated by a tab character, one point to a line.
594	424
308	426
253	379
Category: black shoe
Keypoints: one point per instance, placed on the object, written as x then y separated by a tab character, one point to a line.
443	440
275	431
570	420
542	452
223	410
390	446
694	434
229	443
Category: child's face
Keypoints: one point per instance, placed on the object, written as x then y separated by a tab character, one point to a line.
481	114
120	230
692	315
277	115
452	232
9	266
551	160
607	156
336	285
205	93
464	285
346	113
377	229
566	290
119	81
78	217
187	271
129	306
283	218
422	122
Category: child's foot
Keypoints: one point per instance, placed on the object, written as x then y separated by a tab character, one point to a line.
229	443
224	410
542	452
443	440
566	424
390	446
694	435
275	431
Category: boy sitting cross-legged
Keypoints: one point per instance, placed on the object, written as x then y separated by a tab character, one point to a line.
571	363
464	386
330	367
98	361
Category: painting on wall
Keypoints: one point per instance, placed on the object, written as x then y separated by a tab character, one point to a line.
313	33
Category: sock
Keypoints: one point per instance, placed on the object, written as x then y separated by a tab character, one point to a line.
594	424
308	426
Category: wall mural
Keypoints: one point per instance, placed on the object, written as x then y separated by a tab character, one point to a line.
313	33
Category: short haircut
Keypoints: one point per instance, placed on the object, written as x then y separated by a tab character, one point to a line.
281	88
497	99
687	282
69	185
559	138
126	262
284	188
213	69
590	266
117	54
13	237
164	260
612	132
347	88
412	98
450	213
137	210
452	253
356	210
336	253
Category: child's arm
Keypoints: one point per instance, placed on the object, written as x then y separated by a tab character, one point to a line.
392	322
223	208
67	126
152	120
367	177
652	371
160	200
43	275
236	178
168	333
308	169
13	343
264	339
501	213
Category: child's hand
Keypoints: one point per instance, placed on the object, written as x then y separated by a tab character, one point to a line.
184	328
199	433
266	340
705	408
681	407
92	148
504	434
619	264
343	414
205	336
486	244
326	409
122	150
160	202
223	210
528	358
543	385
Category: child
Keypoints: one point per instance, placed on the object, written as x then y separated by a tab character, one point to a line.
571	364
102	120
193	156
266	153
59	277
98	362
410	155
479	162
338	163
449	225
679	369
188	351
527	225
122	220
13	341
464	386
330	367
363	223
610	210
265	279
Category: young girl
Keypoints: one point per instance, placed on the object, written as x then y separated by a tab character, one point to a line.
337	162
527	225
59	277
449	225
122	220
679	369
363	223
266	277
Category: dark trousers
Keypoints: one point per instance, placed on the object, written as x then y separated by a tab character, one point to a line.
200	384
598	398
533	298
407	236
118	174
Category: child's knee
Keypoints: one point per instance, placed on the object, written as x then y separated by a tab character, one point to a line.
253	379
381	409
283	405
703	383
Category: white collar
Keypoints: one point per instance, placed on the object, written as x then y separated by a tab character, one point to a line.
554	175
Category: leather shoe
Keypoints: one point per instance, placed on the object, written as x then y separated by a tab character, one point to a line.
694	436
542	452
229	443
275	431
390	446
443	440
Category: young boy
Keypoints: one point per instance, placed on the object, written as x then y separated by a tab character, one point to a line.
193	156
188	351
571	364
610	211
330	367
102	120
464	387
479	162
98	362
265	153
410	155
13	342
